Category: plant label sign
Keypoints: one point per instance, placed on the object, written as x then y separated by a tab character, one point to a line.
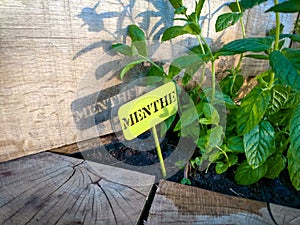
148	110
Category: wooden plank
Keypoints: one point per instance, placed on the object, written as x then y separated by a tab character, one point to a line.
47	46
47	188
179	204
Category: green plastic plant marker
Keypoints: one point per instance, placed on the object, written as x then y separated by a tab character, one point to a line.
147	111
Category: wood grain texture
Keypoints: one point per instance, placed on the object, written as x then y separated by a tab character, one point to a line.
47	188
178	204
48	48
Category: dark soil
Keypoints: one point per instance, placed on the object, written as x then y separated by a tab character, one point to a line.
279	191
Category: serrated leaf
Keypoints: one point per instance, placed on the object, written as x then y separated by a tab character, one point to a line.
252	109
245	175
294	150
129	66
275	164
246	45
285	68
280	95
138	39
192	28
221	167
176	3
123	49
293	100
184	62
289	6
226	20
198	9
173	32
248	4
259	144
235	144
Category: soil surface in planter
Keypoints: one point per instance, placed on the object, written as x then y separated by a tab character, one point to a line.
279	191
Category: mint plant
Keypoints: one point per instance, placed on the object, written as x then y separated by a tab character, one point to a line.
262	133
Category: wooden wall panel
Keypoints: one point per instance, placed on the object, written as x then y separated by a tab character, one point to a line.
47	46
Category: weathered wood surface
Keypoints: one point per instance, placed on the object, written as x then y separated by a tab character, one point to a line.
178	204
47	188
47	46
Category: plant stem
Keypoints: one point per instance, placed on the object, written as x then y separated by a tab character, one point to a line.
241	19
243	34
153	63
200	43
276	44
277	27
213	74
213	81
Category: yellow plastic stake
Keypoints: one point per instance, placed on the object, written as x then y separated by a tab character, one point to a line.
160	157
147	111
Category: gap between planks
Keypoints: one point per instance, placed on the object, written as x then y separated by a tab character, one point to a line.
180	204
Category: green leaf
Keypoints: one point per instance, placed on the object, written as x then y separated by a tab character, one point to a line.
257	56
252	109
293	100
180	164
181	10
227	20
295	37
130	66
138	39
246	45
154	71
192	28
165	125
286	68
289	6
231	84
184	62
221	167
211	114
232	159
198	9
259	144
186	181
280	95
293	55
123	49
235	144
215	137
245	175
176	3
188	116
275	164
248	4
212	139
234	7
294	150
173	32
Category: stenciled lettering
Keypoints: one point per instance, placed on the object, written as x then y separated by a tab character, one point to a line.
148	110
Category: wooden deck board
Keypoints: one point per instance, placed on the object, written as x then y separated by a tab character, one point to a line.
179	204
47	188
